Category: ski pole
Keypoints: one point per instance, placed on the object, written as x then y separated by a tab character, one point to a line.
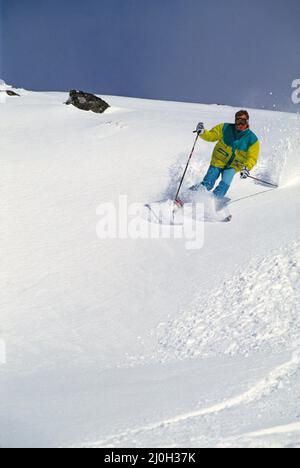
263	181
186	168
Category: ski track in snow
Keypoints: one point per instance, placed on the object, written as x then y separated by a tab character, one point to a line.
260	390
272	437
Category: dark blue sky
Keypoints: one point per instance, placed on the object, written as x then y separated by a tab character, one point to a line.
234	52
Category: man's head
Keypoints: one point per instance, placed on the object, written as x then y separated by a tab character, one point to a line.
242	120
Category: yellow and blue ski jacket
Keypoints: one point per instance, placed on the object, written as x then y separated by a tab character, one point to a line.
234	149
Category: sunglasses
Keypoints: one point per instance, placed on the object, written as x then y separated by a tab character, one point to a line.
240	121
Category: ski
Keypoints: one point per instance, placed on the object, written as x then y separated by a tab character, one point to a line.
179	205
153	212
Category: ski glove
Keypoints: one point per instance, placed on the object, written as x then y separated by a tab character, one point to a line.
200	128
245	173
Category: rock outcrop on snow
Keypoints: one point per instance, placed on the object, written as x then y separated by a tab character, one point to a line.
7	89
87	102
12	93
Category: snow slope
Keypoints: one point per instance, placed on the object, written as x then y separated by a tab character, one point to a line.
143	342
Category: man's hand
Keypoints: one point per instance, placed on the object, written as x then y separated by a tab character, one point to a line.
200	128
245	173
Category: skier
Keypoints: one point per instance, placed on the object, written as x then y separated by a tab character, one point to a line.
237	150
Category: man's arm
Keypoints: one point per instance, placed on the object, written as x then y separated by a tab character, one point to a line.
252	155
215	134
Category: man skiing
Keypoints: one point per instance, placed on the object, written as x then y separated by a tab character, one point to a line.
237	150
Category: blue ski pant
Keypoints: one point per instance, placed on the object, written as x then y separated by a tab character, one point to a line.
213	175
